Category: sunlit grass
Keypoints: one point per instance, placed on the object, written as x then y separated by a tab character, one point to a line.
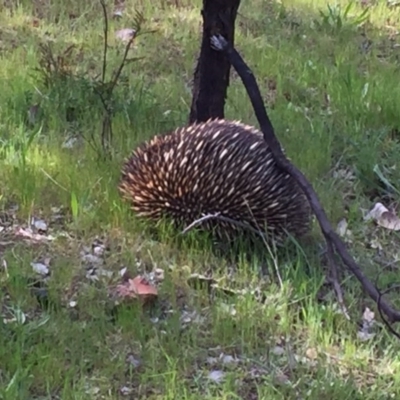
331	92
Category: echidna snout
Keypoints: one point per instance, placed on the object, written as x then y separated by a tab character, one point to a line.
216	167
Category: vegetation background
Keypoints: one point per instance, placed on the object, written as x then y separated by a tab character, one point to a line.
329	74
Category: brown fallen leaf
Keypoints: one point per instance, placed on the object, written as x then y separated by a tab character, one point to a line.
368	321
30	235
137	287
312	353
384	217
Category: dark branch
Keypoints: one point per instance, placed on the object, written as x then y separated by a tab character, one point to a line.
218	43
385	321
117	74
103	6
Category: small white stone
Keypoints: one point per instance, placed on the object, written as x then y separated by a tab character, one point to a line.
40	225
40	268
216	376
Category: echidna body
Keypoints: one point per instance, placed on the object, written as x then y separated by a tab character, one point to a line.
218	167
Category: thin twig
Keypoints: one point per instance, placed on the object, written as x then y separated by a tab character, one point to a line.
107	88
220	44
122	65
104	7
199	221
220	217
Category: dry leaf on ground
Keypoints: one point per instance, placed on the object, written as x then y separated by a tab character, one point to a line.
343	230
368	322
137	287
30	235
384	217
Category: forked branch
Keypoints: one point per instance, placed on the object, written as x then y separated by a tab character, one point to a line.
218	43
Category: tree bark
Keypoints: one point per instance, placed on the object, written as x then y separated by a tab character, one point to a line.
211	76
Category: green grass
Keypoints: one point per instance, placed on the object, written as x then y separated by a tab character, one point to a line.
334	106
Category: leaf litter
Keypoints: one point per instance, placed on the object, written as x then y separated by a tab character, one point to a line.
368	322
384	217
136	288
144	287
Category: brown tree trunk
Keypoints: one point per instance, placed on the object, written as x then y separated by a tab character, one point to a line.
211	76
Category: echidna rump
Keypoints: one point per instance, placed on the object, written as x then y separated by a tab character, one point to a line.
218	167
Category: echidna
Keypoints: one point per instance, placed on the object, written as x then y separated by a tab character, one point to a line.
218	167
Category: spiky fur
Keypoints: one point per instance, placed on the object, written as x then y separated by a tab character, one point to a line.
218	166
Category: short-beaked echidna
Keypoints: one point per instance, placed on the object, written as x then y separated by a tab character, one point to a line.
218	167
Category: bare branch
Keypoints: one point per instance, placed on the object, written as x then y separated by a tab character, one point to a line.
103	5
385	321
218	43
114	81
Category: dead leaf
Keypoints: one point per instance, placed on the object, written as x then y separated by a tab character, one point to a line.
368	321
29	234
341	227
383	217
375	244
137	287
311	353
